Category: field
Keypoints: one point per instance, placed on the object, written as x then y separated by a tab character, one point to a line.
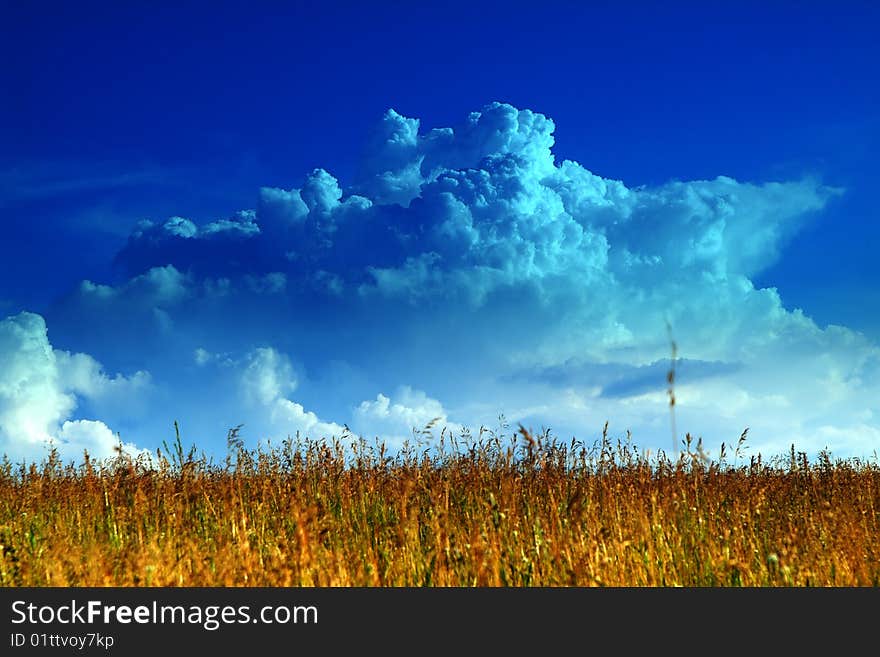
524	510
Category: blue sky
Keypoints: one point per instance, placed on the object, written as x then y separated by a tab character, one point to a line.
306	216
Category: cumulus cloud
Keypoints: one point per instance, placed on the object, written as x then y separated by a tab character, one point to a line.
394	419
159	286
83	375
484	207
266	381
39	392
470	262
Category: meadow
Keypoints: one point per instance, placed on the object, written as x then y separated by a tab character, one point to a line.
491	510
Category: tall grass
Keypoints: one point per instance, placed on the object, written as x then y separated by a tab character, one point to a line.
495	510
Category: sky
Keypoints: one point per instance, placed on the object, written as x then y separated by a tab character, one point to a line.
340	218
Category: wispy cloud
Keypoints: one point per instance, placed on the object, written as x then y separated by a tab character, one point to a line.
39	180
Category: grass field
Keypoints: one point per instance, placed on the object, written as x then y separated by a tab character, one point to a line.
520	511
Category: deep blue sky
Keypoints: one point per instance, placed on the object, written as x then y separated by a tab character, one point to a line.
116	112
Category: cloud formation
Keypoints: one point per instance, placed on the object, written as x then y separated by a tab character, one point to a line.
267	381
39	392
468	263
401	418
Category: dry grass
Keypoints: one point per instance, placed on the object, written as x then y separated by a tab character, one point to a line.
491	511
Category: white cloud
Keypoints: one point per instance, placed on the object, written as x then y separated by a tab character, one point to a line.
83	375
39	387
159	286
80	436
462	259
291	417
267	376
393	419
202	356
266	381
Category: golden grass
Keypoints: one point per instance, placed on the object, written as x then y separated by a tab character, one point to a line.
525	511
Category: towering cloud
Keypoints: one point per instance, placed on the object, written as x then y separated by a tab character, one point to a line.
468	263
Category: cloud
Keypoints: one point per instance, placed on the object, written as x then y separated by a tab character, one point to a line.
203	357
267	376
394	419
484	207
83	375
618	380
93	436
157	287
223	245
266	381
32	180
39	391
468	261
